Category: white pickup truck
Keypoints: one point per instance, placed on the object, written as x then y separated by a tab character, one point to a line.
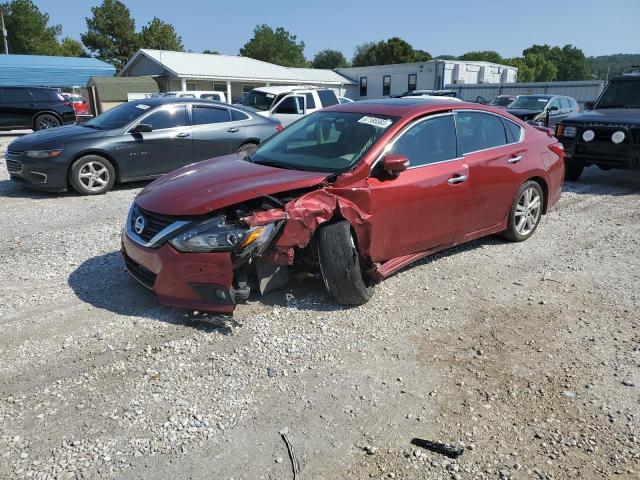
288	103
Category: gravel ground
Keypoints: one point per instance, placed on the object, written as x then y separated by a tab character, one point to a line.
527	354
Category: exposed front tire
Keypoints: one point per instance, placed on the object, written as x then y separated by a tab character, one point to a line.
340	265
92	175
44	121
525	213
246	149
572	171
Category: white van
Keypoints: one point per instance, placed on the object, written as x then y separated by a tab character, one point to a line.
207	95
288	103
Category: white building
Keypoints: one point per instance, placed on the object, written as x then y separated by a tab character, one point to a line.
379	81
233	75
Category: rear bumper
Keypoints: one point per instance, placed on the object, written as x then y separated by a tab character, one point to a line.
50	174
194	281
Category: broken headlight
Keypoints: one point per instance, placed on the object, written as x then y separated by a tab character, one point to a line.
216	235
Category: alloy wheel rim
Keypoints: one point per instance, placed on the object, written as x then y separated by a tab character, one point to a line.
47	122
93	176
528	210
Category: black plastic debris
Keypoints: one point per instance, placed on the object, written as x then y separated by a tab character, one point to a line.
292	456
446	450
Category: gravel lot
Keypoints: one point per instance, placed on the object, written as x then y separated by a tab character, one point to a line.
527	354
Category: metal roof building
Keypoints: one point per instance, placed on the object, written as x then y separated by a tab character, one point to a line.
232	74
46	71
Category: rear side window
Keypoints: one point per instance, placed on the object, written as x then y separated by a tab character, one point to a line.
513	129
171	117
311	103
48	95
565	103
237	115
208	115
11	95
428	141
328	97
479	131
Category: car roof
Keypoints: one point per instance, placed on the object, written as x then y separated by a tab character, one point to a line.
400	106
157	101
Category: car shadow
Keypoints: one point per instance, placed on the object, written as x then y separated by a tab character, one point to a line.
103	282
595	181
12	189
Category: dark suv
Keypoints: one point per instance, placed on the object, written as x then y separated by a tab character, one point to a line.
607	136
33	107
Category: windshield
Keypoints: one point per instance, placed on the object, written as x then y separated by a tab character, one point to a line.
258	100
119	116
530	102
501	101
622	94
324	141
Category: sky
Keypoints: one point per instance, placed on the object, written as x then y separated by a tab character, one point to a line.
597	27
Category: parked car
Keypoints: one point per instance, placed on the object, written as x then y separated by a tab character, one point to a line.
544	110
34	108
79	104
352	193
289	103
607	136
137	140
206	94
502	101
427	93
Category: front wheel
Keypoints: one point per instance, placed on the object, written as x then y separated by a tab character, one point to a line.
525	212
92	175
340	265
572	171
45	121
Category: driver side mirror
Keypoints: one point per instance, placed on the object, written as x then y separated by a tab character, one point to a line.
553	108
142	128
395	164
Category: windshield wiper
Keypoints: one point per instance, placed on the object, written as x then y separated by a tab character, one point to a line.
279	165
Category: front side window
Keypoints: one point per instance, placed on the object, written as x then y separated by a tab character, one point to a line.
363	86
565	104
208	115
324	141
291	106
413	81
168	117
16	95
386	85
428	141
479	131
327	98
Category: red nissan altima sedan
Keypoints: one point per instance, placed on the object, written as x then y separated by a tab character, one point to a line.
352	193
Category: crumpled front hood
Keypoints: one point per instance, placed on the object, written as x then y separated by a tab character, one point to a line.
616	116
523	112
53	137
206	186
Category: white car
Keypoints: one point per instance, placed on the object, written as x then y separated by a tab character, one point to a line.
289	103
204	94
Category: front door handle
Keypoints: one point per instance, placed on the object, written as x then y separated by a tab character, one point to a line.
233	130
183	134
457	179
515	159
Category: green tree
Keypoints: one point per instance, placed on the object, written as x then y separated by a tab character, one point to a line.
275	46
394	50
574	64
612	65
28	31
160	35
111	33
483	55
212	52
71	48
329	59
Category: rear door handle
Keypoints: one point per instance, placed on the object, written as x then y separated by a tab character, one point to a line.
515	159
233	130
183	134
457	179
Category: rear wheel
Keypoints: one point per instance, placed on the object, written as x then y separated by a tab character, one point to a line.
572	171
246	149
340	265
92	175
526	212
45	121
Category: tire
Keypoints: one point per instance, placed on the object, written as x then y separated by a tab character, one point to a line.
244	149
44	121
340	265
92	175
572	171
525	213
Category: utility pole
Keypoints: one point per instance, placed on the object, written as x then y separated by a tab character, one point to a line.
4	34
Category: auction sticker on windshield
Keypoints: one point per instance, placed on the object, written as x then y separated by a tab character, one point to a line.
376	122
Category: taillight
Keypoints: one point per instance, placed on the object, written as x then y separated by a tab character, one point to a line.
558	149
279	127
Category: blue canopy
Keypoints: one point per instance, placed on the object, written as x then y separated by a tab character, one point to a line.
45	71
